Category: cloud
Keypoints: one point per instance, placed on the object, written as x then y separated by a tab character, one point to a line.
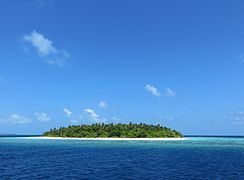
238	118
67	112
43	45
16	119
169	92
241	58
42	117
116	119
45	49
164	118
103	105
38	3
93	116
153	90
73	121
41	3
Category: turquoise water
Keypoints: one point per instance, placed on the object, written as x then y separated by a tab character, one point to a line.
194	158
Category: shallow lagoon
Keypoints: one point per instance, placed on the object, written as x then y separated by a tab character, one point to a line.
194	158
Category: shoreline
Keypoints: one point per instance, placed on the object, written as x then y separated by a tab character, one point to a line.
109	139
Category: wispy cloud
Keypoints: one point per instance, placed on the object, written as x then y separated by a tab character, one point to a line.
45	49
75	120
42	117
15	119
115	119
241	58
238	118
38	3
43	45
41	3
169	92
67	112
164	118
93	116
103	105
153	90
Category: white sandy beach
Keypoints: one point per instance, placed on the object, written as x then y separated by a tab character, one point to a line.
110	139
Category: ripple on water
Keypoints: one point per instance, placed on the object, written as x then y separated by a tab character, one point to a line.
201	158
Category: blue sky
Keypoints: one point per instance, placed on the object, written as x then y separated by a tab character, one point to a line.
177	63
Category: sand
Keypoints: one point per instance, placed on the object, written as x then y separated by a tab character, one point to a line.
110	139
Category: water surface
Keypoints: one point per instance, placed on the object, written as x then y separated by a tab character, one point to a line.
195	158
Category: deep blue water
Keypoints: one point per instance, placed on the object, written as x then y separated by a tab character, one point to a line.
195	158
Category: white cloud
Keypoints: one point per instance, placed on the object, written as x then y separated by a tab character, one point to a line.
41	3
93	116
43	45
103	105
73	121
169	92
116	119
16	119
42	117
38	3
59	58
238	118
80	117
67	112
46	49
153	90
241	58
164	118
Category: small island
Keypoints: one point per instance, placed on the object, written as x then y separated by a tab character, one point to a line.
114	131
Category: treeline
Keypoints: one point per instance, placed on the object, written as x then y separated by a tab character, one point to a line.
114	130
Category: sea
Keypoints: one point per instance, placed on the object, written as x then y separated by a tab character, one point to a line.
22	157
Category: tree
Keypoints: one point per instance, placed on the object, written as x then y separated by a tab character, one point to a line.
114	130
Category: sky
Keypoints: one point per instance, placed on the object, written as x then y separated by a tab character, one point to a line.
170	62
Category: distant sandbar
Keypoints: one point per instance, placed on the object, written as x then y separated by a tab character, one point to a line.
110	139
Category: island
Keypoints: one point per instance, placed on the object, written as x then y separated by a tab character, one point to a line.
102	130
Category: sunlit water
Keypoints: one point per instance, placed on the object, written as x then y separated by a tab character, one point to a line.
195	158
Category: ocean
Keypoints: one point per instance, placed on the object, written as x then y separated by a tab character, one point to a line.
194	158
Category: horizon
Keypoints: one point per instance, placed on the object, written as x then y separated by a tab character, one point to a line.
174	63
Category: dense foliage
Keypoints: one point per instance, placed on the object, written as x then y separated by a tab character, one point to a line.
114	130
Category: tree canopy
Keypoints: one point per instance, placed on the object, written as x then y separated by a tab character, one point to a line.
114	130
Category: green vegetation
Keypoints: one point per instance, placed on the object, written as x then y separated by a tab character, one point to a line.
114	130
